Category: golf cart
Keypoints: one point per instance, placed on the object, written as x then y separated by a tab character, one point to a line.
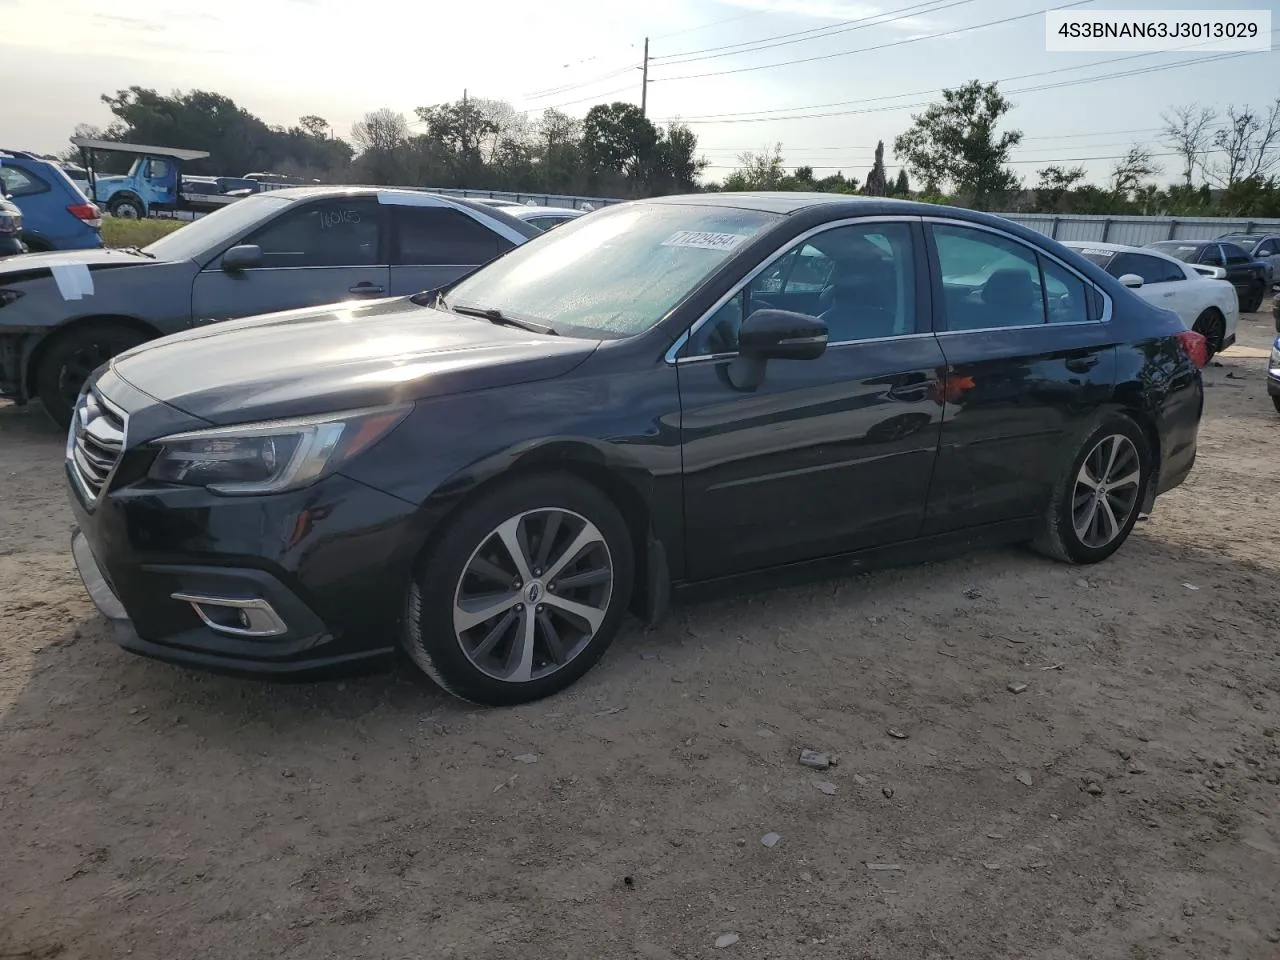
152	185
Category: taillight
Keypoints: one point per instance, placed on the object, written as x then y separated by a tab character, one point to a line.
88	212
1195	347
10	223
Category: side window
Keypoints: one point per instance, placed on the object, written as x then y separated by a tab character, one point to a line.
1212	256
19	183
1064	293
1234	253
331	233
987	280
1267	248
158	170
442	235
1150	269
859	279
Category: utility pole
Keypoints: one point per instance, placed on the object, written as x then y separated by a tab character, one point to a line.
644	80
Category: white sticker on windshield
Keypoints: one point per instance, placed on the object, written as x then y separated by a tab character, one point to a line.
705	241
1091	251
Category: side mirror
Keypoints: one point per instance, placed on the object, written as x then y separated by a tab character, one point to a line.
770	334
1213	273
242	257
1131	280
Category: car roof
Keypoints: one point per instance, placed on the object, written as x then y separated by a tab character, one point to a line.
526	211
409	196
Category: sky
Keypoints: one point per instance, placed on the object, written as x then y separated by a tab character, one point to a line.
282	59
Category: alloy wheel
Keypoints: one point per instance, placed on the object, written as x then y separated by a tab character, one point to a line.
533	595
1106	491
80	365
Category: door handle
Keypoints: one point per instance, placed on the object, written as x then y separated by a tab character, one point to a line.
1082	364
365	288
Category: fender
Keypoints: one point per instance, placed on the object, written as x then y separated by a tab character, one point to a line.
613	468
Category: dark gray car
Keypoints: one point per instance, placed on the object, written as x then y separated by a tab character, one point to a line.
1261	246
64	314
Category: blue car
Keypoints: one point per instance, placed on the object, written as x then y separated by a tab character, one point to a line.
55	212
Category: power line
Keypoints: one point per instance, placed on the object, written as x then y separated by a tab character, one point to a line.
565	88
1047	162
813	33
713	23
598	97
1049	86
922	93
879	46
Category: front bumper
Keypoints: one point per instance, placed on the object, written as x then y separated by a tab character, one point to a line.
300	584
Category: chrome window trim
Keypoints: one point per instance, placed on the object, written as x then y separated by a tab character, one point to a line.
672	355
1004	234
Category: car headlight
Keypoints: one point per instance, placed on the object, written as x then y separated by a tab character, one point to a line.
273	456
1273	363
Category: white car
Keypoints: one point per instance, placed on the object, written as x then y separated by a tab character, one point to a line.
1201	296
544	218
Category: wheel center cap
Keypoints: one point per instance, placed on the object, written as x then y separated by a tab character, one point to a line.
533	592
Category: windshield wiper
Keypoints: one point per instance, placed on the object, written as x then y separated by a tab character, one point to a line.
494	315
139	251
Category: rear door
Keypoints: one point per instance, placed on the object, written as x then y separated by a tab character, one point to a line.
828	455
1028	363
434	244
314	253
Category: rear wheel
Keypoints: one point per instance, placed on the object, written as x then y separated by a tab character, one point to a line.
67	362
1252	300
1096	502
1211	325
523	592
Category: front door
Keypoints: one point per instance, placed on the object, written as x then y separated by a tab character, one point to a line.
314	253
1028	364
828	455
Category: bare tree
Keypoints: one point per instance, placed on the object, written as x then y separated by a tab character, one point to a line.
380	131
1129	174
1250	144
1187	129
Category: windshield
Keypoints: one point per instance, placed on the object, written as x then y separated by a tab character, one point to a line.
618	271
1186	252
198	236
1094	255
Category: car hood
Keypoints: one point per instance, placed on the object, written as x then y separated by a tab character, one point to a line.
31	266
339	357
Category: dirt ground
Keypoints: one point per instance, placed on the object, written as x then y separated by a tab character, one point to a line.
1124	806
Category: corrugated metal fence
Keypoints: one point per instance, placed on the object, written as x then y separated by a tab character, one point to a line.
1137	231
535	199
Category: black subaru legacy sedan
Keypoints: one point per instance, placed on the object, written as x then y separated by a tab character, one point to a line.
660	395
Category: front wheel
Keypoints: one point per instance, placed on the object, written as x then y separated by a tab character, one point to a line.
523	592
127	208
1276	401
71	357
1095	503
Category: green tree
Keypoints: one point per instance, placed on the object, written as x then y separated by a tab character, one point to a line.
617	139
955	144
902	186
382	137
1054	185
758	171
877	184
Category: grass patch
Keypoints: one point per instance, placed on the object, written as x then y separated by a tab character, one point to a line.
118	232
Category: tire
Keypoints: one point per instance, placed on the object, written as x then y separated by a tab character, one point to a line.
1251	301
66	363
1061	537
35	246
530	647
127	208
1276	401
1211	325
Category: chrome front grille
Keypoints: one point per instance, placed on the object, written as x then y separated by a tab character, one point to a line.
95	443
